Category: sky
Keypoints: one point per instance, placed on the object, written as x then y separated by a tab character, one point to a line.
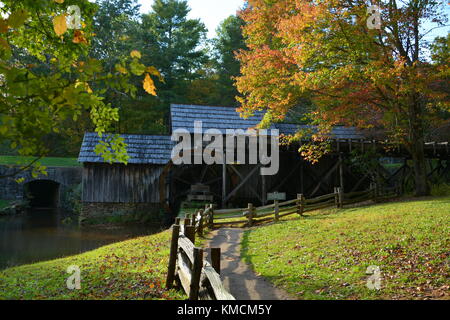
210	12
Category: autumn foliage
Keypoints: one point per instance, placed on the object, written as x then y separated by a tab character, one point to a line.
354	75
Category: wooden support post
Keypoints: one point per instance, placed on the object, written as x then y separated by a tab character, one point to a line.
189	232
177	221
211	216
224	183
196	273
302	185
340	197
187	221
336	196
374	187
173	256
300	204
341	172
250	213
276	210
200	224
264	192
215	259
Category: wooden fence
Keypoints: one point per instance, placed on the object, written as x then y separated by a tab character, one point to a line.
300	205
187	266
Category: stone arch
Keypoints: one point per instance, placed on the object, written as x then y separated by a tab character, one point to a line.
42	193
66	178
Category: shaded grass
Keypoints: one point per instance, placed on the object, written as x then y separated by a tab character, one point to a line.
48	162
133	269
326	254
4	203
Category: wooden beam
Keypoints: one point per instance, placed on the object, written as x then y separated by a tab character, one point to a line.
224	183
286	177
333	168
263	187
341	172
243	181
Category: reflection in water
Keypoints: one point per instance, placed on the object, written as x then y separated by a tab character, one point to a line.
41	235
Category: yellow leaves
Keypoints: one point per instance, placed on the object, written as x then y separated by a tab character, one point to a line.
60	24
85	86
59	1
135	54
154	72
149	85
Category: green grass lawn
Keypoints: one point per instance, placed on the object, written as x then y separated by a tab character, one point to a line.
134	269
48	162
326	254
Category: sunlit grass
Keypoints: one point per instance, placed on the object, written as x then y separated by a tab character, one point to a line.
326	254
48	162
133	269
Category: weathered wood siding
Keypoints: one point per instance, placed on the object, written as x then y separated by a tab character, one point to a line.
121	184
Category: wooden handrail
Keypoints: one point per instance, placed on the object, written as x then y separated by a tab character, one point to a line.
188	267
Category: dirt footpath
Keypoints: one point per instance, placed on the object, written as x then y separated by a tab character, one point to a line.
237	276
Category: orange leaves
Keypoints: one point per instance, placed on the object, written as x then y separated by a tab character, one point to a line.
3	26
149	85
79	37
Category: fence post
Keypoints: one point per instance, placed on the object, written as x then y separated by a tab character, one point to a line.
374	187
336	197
300	204
187	221
276	210
189	232
200	224
250	214
340	197
211	216
196	273
173	256
215	259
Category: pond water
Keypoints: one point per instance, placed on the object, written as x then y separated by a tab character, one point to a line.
40	235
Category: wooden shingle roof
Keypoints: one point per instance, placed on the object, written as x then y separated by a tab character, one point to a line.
222	118
142	149
152	149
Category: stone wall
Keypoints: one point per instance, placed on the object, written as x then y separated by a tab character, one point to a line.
98	213
10	189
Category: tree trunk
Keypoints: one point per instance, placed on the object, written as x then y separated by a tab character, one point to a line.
417	149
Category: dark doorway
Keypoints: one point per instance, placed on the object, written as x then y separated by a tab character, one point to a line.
42	193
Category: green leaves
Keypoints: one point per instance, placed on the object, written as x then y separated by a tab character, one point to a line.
137	68
17	18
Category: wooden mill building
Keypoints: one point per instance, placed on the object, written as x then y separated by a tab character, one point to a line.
152	183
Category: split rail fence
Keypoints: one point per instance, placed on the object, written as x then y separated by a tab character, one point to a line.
201	279
187	266
300	205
